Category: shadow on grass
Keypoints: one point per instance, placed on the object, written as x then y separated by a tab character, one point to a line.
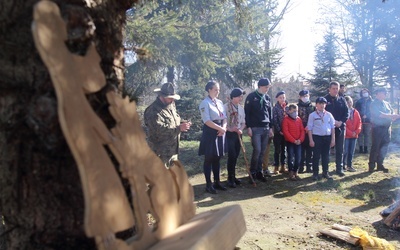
359	186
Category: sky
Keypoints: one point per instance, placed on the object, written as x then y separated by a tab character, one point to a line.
299	35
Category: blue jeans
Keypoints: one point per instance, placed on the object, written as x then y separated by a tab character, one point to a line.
259	141
294	156
348	153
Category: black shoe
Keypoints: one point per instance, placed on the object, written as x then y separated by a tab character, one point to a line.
301	170
231	182
351	169
383	169
361	150
210	189
261	177
341	174
365	150
327	176
315	177
371	168
237	181
217	185
309	170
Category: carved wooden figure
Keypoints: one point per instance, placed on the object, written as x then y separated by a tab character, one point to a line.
163	193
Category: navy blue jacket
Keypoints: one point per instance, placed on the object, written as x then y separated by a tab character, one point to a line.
338	107
258	113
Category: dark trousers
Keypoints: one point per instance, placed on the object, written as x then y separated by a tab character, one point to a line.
211	162
279	149
294	156
233	144
379	147
339	147
364	136
321	150
306	154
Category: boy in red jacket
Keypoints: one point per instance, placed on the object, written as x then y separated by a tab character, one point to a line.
353	128
293	131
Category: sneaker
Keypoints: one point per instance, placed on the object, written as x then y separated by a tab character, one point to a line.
267	173
301	170
315	177
351	169
341	174
327	176
383	169
261	177
309	170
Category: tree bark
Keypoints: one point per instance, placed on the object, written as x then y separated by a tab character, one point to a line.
41	198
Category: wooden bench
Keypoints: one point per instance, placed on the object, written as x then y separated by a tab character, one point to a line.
159	195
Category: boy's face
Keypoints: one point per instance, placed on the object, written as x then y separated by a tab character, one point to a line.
320	106
292	110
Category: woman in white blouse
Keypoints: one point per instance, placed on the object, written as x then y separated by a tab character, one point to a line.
212	143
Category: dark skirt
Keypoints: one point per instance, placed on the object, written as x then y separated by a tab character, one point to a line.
210	143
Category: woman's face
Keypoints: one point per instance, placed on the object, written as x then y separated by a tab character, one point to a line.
214	92
281	99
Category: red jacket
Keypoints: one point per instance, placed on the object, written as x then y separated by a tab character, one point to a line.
353	124
293	129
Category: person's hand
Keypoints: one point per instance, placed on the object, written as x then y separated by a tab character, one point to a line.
395	117
185	126
354	134
221	131
249	132
338	124
312	143
271	133
240	132
332	144
281	133
364	117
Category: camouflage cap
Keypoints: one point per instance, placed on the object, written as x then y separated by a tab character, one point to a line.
167	90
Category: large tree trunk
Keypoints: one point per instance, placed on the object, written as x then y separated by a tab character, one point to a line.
41	198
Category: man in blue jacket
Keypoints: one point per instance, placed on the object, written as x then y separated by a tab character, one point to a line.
258	111
337	105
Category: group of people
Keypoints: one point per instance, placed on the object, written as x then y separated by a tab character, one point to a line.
302	133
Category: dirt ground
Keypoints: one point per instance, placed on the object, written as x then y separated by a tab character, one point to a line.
282	214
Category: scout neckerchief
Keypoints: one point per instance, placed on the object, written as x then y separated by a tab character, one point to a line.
262	98
233	111
221	114
321	115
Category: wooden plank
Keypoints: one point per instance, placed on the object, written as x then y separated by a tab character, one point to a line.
341	227
216	229
341	235
392	216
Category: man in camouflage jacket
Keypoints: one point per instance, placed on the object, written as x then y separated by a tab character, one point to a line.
164	125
